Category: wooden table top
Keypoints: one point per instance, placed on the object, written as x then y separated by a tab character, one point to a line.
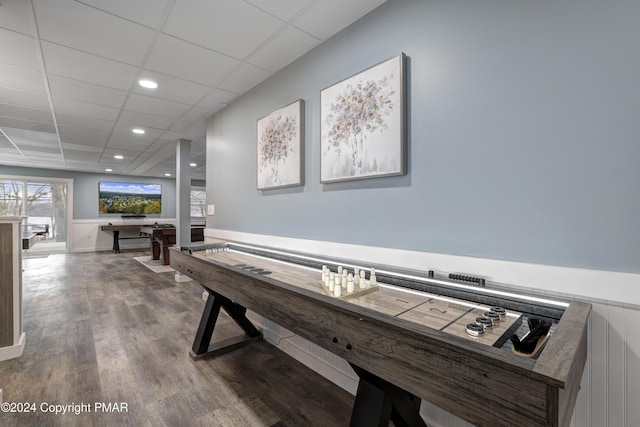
121	227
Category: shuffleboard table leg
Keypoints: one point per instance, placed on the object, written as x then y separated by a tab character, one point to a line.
116	241
378	402
207	325
201	343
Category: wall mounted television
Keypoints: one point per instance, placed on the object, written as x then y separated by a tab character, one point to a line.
129	198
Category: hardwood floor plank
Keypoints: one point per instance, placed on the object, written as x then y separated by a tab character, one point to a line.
101	327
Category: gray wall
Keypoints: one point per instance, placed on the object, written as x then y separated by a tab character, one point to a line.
85	189
523	136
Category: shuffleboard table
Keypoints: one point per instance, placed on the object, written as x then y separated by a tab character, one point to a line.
406	337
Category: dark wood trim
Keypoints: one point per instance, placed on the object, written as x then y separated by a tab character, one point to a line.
121	227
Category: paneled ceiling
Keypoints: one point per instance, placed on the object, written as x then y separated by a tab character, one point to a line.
69	72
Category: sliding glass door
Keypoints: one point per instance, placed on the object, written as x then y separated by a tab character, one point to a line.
44	203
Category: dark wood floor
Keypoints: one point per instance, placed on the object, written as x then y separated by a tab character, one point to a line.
101	327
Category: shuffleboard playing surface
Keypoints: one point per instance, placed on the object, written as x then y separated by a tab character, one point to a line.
433	311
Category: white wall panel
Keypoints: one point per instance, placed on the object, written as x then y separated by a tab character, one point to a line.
632	374
617	366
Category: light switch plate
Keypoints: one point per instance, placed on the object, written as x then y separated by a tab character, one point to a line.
211	210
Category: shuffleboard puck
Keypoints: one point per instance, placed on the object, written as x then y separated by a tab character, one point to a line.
475	329
501	311
484	321
492	315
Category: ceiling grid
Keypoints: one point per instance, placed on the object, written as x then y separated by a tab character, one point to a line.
69	96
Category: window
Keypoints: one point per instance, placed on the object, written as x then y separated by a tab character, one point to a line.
198	203
11	196
43	204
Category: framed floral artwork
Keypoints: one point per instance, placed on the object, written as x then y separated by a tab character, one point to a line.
281	147
362	124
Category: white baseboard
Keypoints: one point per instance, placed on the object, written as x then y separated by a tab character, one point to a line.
326	364
312	356
11	352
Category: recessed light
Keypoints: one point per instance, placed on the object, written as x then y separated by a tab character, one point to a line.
149	84
193	165
138	131
108	170
118	156
167	174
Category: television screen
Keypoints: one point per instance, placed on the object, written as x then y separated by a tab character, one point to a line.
130	198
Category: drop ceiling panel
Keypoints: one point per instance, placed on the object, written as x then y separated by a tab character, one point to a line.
89	68
42	153
216	98
27	124
128	153
172	88
119	144
9	151
24	99
123	131
30	135
327	17
245	77
145	12
283	9
15	16
14	159
232	28
188	61
81	91
181	126
46	162
286	46
84	109
81	165
145	120
73	135
168	137
33	151
14	111
84	122
110	162
22	79
22	53
81	147
76	25
141	104
195	114
84	156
